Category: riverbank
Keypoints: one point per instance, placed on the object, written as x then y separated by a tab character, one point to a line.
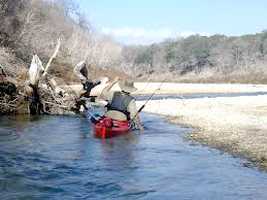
234	124
144	88
191	88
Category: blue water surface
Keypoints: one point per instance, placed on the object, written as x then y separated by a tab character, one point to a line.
57	157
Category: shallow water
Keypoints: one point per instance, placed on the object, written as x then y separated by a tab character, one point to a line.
56	157
198	95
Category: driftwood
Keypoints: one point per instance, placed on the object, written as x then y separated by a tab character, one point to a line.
36	72
40	93
46	96
8	103
52	57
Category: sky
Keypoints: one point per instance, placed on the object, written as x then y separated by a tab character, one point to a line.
149	21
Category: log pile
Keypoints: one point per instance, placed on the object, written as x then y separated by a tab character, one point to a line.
57	103
7	104
40	94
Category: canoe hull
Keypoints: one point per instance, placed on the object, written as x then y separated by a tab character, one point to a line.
108	128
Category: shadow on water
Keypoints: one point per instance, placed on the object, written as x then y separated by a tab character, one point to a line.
58	158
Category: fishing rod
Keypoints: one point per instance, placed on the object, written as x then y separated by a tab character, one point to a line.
150	97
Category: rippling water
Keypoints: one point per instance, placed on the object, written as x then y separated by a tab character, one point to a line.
58	158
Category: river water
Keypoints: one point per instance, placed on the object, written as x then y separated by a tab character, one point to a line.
198	95
56	157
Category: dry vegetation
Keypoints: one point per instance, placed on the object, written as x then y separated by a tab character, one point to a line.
217	58
33	26
30	27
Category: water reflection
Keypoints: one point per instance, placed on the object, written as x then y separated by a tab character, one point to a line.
119	152
58	158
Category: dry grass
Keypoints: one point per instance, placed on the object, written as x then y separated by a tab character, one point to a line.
255	74
13	66
64	71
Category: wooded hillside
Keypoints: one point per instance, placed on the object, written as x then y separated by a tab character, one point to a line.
33	26
200	58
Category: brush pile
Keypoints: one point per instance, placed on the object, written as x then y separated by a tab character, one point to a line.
38	94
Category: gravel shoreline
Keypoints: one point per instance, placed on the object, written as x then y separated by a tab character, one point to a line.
234	124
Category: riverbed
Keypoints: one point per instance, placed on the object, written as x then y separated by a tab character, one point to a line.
57	157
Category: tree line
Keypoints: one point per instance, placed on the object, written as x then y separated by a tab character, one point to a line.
33	26
215	56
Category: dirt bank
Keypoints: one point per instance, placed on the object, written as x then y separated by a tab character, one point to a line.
234	124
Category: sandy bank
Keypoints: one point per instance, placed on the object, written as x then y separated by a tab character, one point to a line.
188	88
236	124
182	88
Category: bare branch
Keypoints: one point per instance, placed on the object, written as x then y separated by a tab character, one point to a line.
52	57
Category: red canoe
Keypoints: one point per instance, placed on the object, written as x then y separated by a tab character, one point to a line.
107	128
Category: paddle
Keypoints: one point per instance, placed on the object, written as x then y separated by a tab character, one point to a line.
93	118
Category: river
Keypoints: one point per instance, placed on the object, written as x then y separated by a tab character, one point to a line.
56	157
